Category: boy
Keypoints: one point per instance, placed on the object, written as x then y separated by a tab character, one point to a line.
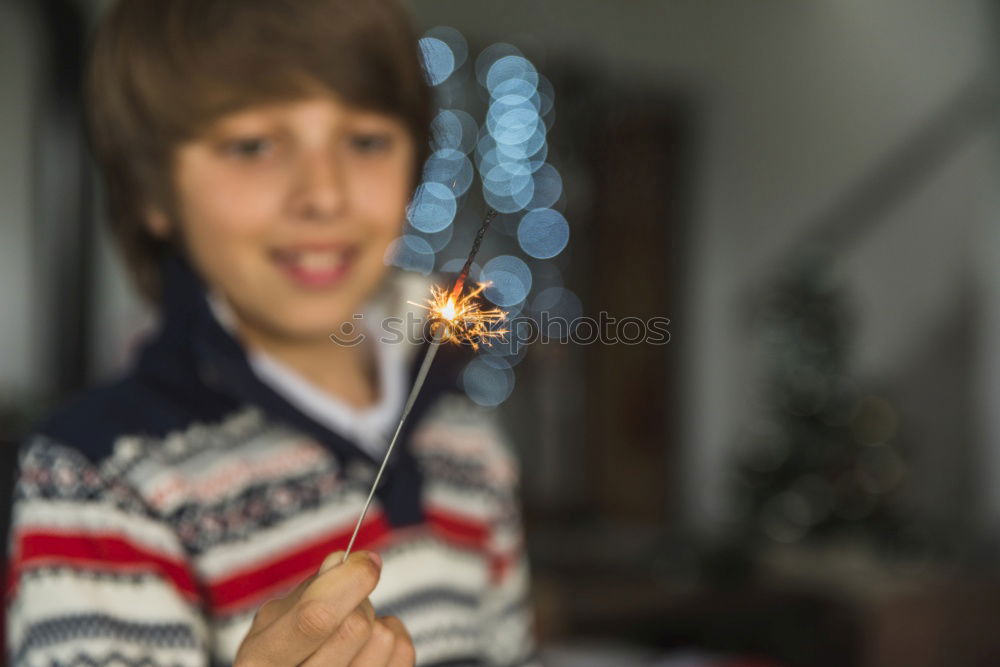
258	157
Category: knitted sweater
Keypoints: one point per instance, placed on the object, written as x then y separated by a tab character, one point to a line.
154	515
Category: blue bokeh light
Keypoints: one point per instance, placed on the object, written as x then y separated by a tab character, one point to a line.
518	88
508	203
510	152
412	253
455	41
432	208
510	280
446	131
529	147
439	61
546	95
509	179
508	187
454	129
490	55
548	187
511	67
543	233
470	130
499	107
450	168
438	241
515	126
486	384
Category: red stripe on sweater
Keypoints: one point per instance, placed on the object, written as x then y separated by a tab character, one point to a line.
263	581
500	565
459	530
255	585
243	589
471	533
104	553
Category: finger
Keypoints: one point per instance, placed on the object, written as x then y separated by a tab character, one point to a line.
378	650
346	643
271	610
318	614
267	613
368	609
404	654
356	578
331	561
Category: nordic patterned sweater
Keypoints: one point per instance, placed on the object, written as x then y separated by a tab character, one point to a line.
154	515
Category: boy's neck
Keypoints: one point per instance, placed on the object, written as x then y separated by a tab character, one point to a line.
349	374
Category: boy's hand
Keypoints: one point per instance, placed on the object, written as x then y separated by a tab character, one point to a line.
328	621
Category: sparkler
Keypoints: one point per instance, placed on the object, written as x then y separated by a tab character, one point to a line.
455	318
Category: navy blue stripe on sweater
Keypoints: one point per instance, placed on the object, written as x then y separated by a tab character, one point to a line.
90	626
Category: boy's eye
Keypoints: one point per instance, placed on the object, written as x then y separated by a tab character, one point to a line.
248	148
370	143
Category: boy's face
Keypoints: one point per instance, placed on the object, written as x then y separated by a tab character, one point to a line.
287	210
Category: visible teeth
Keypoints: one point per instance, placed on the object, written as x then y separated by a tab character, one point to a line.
319	261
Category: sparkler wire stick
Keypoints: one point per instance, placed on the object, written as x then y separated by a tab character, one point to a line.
464	273
418	383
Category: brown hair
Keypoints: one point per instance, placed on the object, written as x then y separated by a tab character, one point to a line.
162	69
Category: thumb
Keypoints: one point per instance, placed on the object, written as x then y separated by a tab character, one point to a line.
331	561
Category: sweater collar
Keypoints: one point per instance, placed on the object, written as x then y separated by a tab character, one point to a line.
191	344
197	362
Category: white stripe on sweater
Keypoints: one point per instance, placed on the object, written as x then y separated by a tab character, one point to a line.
54	593
96	518
284	538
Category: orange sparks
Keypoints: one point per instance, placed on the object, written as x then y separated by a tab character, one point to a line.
460	320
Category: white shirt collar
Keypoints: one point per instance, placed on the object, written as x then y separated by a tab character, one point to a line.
369	428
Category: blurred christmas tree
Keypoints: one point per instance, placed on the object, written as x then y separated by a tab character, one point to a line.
820	460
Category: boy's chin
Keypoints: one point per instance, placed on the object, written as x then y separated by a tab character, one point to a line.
292	329
312	332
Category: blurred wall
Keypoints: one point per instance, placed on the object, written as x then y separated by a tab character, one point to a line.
802	99
27	249
21	362
987	380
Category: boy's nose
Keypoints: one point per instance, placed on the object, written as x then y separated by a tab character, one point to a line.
320	193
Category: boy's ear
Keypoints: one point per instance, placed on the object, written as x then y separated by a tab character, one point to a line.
157	223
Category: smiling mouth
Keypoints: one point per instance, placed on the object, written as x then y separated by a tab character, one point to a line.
315	267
